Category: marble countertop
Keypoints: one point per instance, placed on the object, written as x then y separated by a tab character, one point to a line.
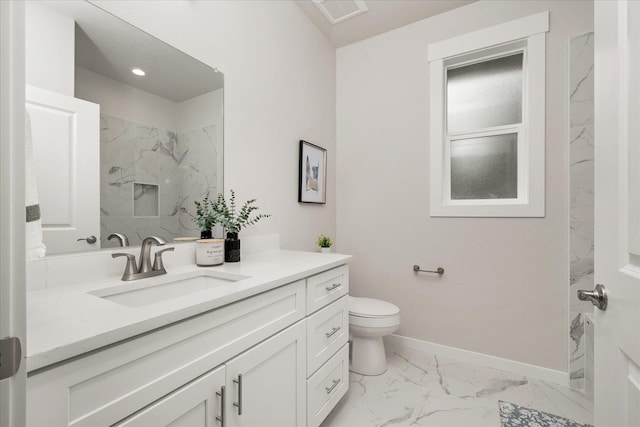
68	321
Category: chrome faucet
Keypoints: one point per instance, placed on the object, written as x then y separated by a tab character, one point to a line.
145	269
122	239
145	252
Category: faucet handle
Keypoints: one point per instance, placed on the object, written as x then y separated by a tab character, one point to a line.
131	267
157	262
123	240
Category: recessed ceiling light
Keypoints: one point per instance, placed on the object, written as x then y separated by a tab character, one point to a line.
138	72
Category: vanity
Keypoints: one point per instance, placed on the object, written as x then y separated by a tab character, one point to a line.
263	342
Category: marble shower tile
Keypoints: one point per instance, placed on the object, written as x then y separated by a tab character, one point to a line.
577	351
581	74
183	166
581	153
425	390
581	263
157	150
589	361
581	114
197	173
117	141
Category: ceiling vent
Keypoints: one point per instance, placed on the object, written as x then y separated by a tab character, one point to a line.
337	11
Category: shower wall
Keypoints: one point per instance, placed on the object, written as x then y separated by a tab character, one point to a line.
148	174
581	115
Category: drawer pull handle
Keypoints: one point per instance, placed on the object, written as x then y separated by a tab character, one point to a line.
238	404
333	331
334	385
222	415
332	287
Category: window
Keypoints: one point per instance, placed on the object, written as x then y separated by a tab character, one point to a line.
487	121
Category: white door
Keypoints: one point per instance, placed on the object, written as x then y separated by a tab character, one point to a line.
197	404
266	386
66	147
12	208
617	210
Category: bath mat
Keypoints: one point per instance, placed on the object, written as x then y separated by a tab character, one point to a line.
512	415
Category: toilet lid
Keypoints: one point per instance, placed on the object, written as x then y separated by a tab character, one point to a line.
371	307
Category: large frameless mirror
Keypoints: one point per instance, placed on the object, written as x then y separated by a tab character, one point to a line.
126	130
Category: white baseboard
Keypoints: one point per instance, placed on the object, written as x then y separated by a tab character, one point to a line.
394	342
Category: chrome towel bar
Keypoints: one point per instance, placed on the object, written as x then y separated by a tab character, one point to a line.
439	270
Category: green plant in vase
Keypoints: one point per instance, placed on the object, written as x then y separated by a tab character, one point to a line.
206	216
234	220
325	243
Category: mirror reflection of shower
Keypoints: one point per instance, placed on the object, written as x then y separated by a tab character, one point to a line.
156	136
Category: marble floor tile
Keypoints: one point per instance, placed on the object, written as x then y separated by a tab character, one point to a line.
420	389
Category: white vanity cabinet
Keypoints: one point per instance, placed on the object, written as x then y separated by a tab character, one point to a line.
260	361
261	387
327	342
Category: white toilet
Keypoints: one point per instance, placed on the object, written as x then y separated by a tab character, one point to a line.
370	320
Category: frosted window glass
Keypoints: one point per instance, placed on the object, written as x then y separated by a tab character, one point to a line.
485	168
485	94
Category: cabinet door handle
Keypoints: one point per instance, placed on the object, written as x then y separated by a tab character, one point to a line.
222	416
334	385
238	404
332	287
333	331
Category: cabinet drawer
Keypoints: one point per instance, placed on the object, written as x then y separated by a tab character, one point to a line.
327	331
324	288
107	386
327	386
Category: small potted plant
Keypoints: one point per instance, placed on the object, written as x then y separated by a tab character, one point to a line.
233	221
206	216
325	243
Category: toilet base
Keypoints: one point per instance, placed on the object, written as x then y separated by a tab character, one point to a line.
367	356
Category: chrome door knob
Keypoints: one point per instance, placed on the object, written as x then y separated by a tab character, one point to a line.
90	240
598	297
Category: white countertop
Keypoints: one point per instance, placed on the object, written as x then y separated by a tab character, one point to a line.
68	321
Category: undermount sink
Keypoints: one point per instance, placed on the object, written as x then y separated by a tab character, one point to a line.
158	289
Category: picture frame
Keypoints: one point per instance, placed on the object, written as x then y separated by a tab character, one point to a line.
312	175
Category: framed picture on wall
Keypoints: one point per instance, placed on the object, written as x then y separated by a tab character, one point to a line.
312	178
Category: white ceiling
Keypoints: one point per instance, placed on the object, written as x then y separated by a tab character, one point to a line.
382	16
109	46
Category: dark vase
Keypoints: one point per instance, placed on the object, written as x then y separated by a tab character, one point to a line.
206	234
232	248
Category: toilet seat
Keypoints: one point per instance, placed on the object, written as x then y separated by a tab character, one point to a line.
371	308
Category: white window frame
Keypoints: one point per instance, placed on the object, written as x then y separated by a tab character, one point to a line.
527	35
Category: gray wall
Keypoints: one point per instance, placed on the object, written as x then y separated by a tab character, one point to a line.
505	288
279	75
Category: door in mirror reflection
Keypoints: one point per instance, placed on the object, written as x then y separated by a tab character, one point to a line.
66	148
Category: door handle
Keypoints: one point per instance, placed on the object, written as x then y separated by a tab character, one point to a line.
598	296
334	384
238	404
333	286
334	330
222	416
90	239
